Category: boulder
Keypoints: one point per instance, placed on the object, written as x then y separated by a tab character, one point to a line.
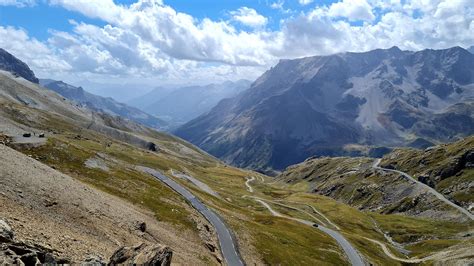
142	254
6	232
141	226
17	253
151	146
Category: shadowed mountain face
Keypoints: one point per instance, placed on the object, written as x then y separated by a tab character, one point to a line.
319	105
180	105
10	63
471	49
103	104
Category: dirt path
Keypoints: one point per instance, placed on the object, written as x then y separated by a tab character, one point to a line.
247	183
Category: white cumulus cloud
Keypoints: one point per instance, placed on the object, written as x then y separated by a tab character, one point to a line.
249	17
352	10
149	40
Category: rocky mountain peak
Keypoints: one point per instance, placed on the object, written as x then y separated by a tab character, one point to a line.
318	105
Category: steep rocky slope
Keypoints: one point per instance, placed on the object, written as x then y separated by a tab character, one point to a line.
74	140
10	63
320	105
54	213
354	181
102	104
449	168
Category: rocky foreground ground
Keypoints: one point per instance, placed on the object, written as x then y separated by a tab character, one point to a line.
49	217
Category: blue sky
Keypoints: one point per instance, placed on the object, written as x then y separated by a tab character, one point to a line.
146	43
39	18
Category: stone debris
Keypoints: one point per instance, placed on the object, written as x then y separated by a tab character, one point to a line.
142	254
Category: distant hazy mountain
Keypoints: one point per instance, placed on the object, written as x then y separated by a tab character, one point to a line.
143	101
181	105
10	63
102	104
121	91
319	105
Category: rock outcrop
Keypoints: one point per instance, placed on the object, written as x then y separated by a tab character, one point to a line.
18	253
142	254
6	232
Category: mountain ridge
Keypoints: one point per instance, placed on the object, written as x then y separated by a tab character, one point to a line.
10	63
318	105
102	104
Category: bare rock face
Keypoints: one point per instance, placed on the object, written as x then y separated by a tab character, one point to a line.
142	254
316	106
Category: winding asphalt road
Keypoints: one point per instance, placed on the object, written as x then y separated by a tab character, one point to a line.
349	250
428	188
226	241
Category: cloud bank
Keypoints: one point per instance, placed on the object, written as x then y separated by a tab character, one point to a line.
151	39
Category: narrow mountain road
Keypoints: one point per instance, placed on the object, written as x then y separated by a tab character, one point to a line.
428	188
299	210
226	241
348	249
316	211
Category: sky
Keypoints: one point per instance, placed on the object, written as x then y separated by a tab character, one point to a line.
141	44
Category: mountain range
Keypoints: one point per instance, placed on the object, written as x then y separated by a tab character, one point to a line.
342	104
103	104
85	187
182	104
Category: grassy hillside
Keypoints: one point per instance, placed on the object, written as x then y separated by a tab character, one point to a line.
354	182
99	158
388	205
449	168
